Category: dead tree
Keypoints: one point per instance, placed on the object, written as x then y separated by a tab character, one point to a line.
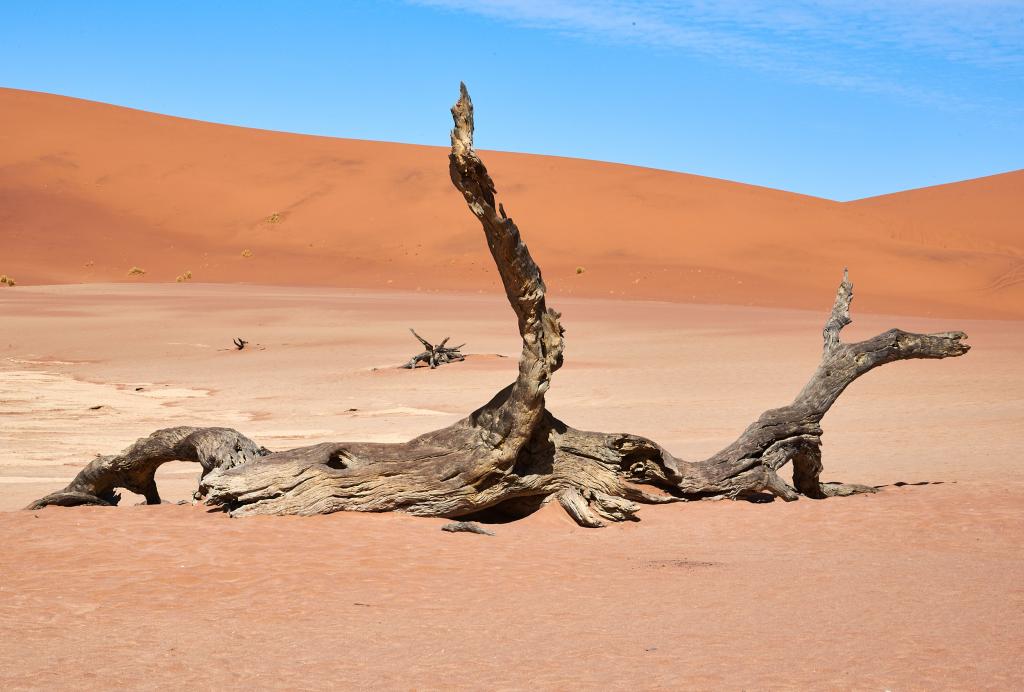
512	455
435	355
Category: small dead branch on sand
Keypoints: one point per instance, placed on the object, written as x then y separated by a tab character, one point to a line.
466	527
435	355
240	344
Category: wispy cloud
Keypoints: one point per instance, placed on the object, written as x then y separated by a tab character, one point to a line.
893	47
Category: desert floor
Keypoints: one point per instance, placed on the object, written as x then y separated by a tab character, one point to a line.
917	587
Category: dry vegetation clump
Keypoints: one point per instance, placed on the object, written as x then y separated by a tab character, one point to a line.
580	270
247	253
7	280
435	355
136	271
274	218
183	277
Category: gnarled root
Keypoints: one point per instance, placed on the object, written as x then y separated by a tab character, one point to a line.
135	468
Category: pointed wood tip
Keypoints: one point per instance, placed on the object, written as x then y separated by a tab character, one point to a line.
464	103
462	116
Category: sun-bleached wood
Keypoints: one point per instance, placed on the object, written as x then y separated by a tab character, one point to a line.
512	455
435	355
135	468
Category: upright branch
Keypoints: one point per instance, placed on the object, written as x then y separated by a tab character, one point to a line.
840	315
516	417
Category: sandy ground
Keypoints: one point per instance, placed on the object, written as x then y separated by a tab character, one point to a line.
918	587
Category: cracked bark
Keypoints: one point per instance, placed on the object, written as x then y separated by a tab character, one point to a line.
512	455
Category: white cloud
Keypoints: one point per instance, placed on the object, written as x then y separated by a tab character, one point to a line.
875	46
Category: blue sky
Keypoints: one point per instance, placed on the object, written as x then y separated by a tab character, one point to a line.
836	98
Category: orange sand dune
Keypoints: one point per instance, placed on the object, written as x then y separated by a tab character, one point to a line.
89	190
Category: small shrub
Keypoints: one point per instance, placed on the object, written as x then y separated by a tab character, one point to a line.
136	271
247	253
580	270
7	280
274	218
186	276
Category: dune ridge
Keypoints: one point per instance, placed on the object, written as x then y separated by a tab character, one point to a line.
90	190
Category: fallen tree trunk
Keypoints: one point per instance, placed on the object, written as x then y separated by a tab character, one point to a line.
512	455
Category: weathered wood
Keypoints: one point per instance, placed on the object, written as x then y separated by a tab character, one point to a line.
135	468
435	355
466	527
512	455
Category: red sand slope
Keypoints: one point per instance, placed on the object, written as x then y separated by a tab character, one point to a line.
89	190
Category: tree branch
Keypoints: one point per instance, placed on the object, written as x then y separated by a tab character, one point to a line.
793	433
135	468
840	316
512	423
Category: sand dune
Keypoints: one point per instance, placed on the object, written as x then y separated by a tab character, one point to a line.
89	190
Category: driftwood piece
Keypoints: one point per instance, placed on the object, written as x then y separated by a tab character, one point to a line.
435	355
512	455
466	527
135	468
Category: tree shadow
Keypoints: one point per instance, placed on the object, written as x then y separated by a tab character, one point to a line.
900	484
764	498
